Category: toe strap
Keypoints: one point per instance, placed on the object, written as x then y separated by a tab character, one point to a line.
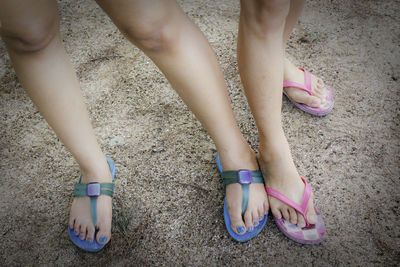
307	80
302	208
93	190
245	178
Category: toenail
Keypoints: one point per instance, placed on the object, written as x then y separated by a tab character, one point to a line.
250	229
103	239
89	240
75	232
255	224
81	237
315	102
312	218
261	218
240	229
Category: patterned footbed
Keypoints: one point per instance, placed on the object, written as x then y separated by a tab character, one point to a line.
308	235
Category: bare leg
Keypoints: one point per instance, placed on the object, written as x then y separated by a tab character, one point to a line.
291	72
179	49
30	31
261	60
296	6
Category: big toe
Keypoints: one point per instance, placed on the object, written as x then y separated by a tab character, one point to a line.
237	224
104	233
319	93
305	98
311	214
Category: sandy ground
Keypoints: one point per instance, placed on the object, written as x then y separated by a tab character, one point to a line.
168	204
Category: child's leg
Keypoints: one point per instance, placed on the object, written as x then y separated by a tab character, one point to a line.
261	59
31	34
291	72
296	6
179	49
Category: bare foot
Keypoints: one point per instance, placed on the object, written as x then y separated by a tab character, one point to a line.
280	174
294	74
80	219
257	205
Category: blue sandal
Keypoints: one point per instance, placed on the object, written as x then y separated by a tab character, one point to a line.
92	190
245	178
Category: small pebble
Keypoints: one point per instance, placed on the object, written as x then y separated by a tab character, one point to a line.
117	140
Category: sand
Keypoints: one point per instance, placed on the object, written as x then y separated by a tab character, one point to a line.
168	202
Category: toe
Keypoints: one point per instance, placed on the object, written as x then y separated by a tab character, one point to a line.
300	221
237	224
276	212
312	218
320	83
240	230
90	233
82	233
234	206
256	221
260	214
248	221
285	214
319	92
266	208
76	228
71	222
311	214
303	97
313	101
293	216
102	239
235	214
256	217
104	234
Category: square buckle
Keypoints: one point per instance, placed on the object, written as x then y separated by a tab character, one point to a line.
93	189
245	177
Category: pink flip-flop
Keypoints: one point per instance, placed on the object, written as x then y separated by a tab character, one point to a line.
322	110
311	233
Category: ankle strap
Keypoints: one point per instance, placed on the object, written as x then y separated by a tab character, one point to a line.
94	189
242	177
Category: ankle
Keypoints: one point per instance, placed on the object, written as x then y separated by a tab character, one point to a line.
274	150
235	159
271	136
98	171
289	69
